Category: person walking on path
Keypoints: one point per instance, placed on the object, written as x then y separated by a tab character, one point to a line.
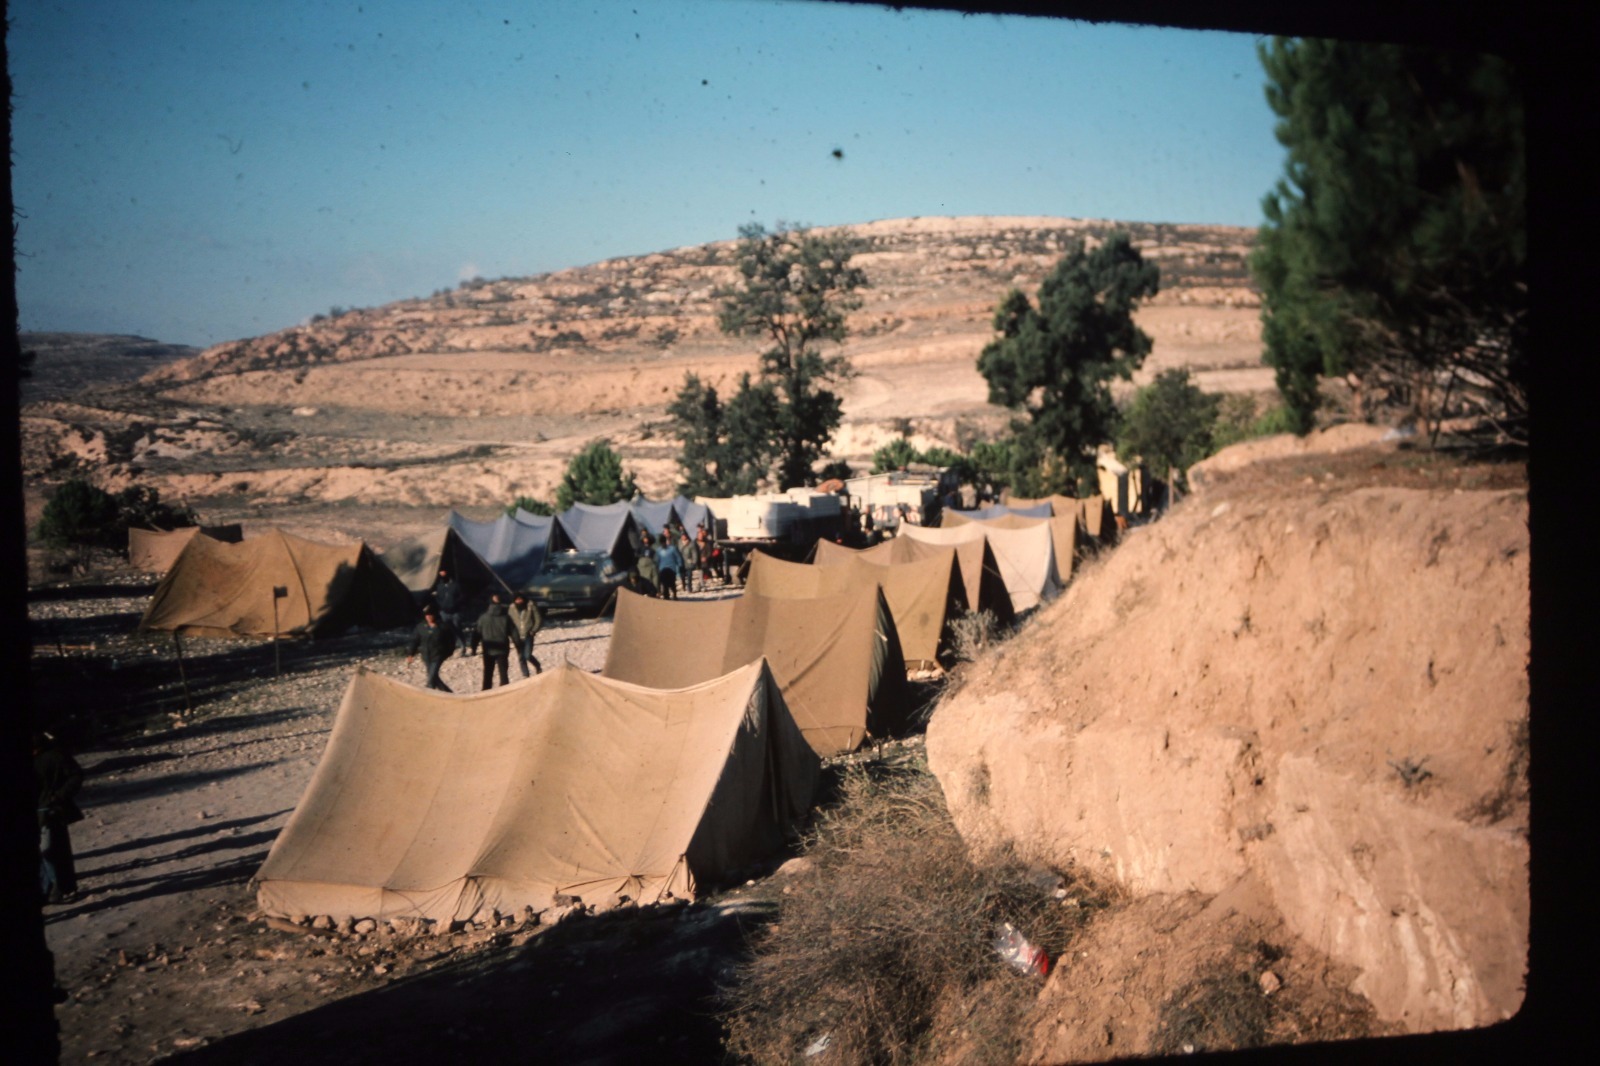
670	562
525	622
494	630
59	777
436	640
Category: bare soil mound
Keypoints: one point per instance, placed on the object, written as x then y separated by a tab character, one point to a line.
1312	677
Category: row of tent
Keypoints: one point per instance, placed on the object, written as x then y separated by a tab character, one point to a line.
694	753
219	584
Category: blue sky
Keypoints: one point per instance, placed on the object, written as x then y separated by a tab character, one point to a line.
201	170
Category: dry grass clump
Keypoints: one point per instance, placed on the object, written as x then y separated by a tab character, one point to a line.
882	952
972	632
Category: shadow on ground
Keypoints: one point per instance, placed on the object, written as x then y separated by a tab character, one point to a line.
624	987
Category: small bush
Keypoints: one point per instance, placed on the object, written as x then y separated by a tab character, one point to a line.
971	633
531	505
82	513
884	953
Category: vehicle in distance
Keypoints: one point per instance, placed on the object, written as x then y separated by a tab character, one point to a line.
577	581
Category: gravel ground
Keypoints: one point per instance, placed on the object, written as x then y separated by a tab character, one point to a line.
189	776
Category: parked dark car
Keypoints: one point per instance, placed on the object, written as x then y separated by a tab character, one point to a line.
581	581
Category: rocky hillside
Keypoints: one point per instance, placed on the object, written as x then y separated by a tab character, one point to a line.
929	277
1302	698
472	397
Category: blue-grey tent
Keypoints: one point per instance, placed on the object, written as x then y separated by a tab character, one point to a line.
608	528
515	546
652	515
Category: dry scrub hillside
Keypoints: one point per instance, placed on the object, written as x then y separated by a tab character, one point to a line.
473	396
1297	704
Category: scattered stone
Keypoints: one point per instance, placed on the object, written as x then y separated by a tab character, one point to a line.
1270	983
250	1006
365	926
323	922
347	926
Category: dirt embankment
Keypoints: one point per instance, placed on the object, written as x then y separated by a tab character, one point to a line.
1306	699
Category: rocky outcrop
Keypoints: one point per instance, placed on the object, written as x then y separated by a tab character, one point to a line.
1323	692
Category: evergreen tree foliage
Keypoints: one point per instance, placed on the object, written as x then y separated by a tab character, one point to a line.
898	453
727	448
1394	248
80	512
595	475
1056	362
1169	425
795	289
531	505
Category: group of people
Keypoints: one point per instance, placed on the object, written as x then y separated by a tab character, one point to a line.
673	557
499	629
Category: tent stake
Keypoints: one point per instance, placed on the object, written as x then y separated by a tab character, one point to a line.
183	676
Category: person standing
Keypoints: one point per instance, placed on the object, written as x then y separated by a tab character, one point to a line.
447	593
494	630
691	561
436	640
59	777
670	562
525	622
646	566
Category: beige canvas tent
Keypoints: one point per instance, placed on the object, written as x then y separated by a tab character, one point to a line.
445	806
1026	557
219	590
985	589
836	658
923	596
155	550
1063	533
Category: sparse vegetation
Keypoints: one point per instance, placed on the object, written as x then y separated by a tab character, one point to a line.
531	505
972	633
886	947
1169	425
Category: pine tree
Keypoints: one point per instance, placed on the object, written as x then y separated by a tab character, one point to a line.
1394	248
1056	363
795	289
595	475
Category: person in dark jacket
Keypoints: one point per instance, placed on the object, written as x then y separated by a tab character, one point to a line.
451	601
494	630
59	777
437	641
525	622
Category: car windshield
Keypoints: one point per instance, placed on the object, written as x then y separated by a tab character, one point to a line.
578	567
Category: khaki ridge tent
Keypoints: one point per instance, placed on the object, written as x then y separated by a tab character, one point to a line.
1063	534
1026	557
218	590
515	546
417	564
985	588
924	596
837	658
155	550
595	527
445	806
1034	509
1094	514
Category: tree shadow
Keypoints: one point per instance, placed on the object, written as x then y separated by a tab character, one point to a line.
104	793
237	871
220	843
185	834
